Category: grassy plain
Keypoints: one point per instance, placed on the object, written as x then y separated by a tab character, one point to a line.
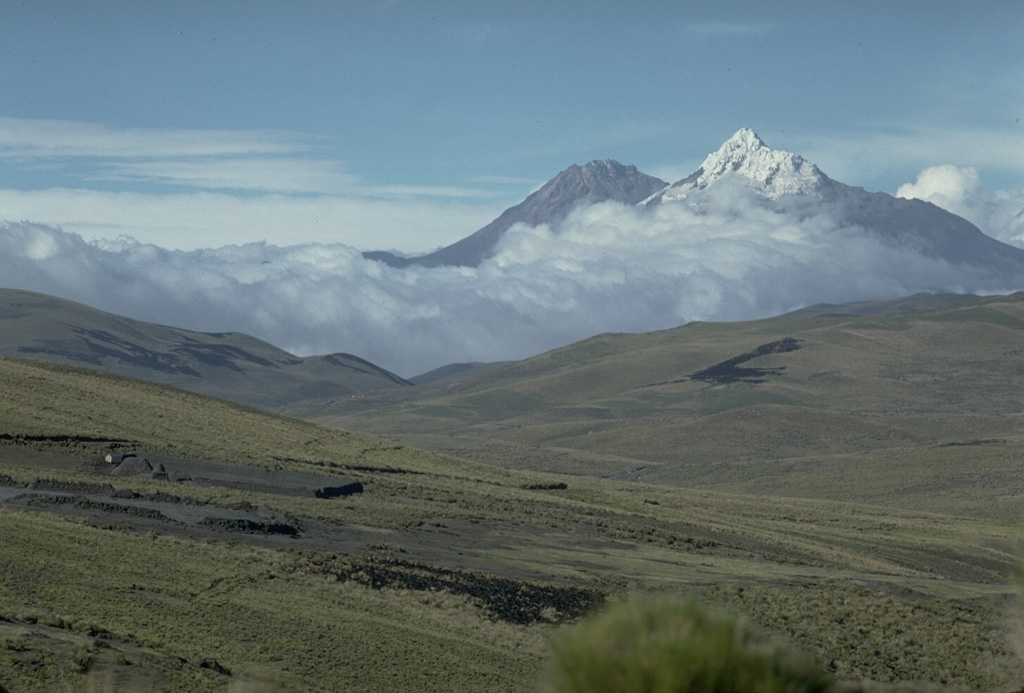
921	409
873	528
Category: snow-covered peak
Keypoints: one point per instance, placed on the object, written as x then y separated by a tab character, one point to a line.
770	172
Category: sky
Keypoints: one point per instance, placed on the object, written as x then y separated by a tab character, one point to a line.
228	160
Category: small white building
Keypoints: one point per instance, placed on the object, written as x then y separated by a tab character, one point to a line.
115	457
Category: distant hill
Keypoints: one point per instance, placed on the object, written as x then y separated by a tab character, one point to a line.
229	365
446	575
907	304
767	406
456	370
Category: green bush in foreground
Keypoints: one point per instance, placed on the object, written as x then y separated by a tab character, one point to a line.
660	646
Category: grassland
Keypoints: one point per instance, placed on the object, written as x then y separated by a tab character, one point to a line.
936	395
231	365
382	590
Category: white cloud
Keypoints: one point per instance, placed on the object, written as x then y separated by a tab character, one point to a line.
246	160
283	175
607	267
199	219
999	213
39	138
877	154
943	185
232	186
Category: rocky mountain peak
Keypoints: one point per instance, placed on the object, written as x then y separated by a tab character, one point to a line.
596	181
771	172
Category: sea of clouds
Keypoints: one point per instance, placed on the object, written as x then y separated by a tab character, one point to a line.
605	268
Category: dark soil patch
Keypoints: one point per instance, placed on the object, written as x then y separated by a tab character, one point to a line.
214	665
505	599
78	487
229	524
978	441
378	470
729	371
83	503
24	439
159	497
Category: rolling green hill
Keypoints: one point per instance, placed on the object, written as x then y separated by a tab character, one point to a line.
229	365
443	574
917	409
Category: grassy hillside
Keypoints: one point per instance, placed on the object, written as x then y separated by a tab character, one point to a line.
919	409
443	574
229	365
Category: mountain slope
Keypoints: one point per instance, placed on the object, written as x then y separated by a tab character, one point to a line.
232	366
787	181
781	180
906	304
770	406
597	181
442	574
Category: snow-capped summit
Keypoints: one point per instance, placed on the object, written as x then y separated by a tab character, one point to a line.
787	183
771	172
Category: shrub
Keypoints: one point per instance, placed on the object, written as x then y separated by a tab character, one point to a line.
81	659
661	646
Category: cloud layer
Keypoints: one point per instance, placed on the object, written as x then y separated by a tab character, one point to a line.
999	213
178	188
607	267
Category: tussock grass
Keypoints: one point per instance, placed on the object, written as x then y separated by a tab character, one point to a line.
181	602
813	571
1015	627
650	644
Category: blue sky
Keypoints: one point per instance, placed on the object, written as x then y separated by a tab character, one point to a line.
219	165
408	125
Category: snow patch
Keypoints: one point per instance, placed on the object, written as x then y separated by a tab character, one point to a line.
771	173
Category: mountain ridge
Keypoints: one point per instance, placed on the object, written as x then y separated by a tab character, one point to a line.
732	406
244	369
442	569
771	172
229	365
597	181
781	180
788	181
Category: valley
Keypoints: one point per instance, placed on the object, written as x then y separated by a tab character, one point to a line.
371	346
937	389
230	365
853	486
